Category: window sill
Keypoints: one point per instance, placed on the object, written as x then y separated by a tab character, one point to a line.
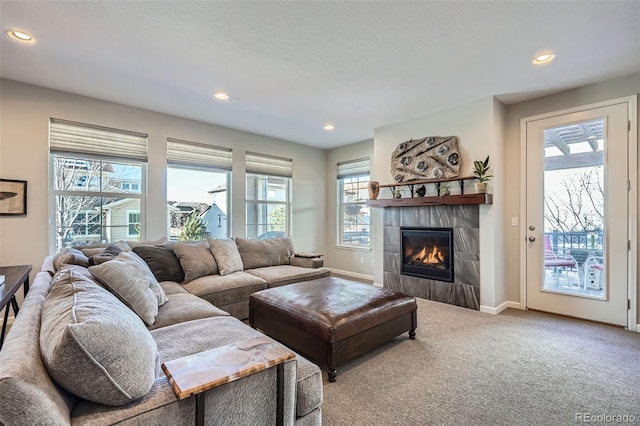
352	248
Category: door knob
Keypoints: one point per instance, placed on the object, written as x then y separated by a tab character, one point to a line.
532	228
532	239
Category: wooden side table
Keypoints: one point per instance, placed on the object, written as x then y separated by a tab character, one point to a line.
197	373
14	277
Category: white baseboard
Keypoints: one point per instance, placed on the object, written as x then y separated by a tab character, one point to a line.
351	274
500	308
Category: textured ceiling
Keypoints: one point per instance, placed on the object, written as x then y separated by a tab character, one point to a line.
293	66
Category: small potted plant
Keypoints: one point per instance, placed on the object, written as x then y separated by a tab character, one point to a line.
480	171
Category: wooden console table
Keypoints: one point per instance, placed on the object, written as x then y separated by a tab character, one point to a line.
197	373
14	277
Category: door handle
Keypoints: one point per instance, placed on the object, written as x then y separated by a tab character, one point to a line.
532	228
532	239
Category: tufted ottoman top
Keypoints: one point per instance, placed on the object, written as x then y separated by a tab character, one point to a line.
332	308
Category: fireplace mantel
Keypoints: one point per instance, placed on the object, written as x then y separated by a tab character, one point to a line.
449	200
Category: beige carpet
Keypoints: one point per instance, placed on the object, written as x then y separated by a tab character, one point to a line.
470	368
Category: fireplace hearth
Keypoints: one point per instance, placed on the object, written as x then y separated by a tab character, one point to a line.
401	272
428	253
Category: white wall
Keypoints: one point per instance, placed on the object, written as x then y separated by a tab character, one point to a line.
341	258
479	127
607	90
24	122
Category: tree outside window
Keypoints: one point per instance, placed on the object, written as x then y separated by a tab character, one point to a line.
90	204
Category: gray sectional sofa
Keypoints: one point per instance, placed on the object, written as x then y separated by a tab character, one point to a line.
88	342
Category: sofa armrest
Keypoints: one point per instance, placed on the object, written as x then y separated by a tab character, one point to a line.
304	262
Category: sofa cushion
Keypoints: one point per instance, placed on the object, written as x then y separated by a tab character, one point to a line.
28	394
227	256
159	241
109	253
69	256
172	287
93	345
309	387
162	261
268	252
224	290
196	260
131	280
183	307
276	276
93	249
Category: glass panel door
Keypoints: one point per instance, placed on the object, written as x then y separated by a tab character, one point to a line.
574	213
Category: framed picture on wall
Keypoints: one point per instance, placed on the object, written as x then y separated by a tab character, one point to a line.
13	197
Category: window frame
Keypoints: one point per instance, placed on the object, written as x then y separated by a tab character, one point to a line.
54	193
200	157
207	169
287	203
340	215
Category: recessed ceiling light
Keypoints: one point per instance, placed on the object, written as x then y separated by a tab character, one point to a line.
221	96
544	58
20	36
329	126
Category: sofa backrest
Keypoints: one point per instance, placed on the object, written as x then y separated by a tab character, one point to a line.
28	395
261	253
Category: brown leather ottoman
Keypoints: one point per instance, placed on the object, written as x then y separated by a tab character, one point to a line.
331	320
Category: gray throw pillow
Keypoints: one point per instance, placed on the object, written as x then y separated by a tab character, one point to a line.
109	253
226	254
69	256
196	260
162	261
131	281
94	346
93	249
268	252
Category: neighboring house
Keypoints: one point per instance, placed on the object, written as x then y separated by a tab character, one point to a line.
179	211
215	222
122	220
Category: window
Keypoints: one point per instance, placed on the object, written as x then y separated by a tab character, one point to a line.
87	223
133	223
131	186
354	228
268	201
197	190
90	165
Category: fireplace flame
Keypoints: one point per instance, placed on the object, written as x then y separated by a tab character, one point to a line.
435	256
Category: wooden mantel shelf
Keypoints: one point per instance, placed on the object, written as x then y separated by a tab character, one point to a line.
447	200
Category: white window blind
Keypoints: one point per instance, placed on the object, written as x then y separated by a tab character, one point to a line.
350	168
190	154
271	165
71	137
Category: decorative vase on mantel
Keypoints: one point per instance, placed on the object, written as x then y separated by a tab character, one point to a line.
374	189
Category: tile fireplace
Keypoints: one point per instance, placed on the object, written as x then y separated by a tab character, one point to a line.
428	253
444	266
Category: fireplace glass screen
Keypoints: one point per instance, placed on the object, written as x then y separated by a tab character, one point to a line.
428	253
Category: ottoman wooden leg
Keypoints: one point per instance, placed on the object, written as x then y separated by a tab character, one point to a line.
414	324
332	373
